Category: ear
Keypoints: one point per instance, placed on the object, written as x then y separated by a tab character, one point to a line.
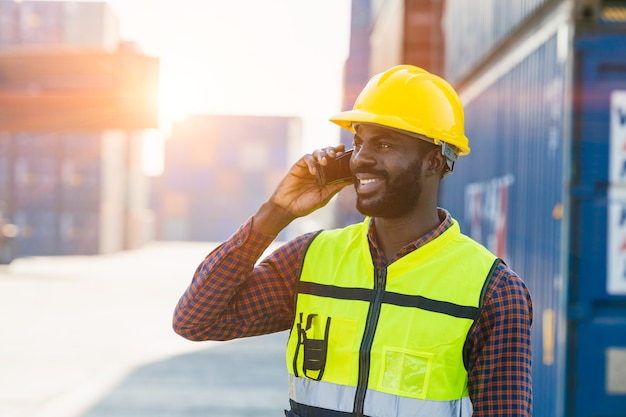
436	162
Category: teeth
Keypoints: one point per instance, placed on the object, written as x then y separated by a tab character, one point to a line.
363	182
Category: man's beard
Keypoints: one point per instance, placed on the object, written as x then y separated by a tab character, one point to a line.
399	198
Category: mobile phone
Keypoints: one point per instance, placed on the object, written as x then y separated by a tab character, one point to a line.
337	170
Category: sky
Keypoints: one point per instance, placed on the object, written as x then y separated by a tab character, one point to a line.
270	57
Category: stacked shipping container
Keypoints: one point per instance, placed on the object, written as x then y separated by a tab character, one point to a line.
73	101
67	89
64	191
219	170
90	25
476	29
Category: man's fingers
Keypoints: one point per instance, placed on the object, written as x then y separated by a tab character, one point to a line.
321	155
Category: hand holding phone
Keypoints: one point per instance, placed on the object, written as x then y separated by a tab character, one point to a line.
336	170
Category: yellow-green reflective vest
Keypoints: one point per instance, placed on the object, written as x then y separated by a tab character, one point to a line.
385	343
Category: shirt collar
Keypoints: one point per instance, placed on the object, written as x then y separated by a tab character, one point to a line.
377	254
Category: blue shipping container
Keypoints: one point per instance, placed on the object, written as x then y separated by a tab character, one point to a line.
597	261
545	189
475	28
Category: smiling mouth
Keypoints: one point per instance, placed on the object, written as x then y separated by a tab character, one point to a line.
367	184
366	181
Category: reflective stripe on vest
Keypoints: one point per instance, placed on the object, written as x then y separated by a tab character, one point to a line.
363	339
341	398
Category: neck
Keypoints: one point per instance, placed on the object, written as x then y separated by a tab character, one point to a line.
393	234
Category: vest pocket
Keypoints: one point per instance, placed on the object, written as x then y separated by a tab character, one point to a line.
315	348
324	348
405	372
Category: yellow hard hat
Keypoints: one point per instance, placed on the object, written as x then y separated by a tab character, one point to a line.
410	98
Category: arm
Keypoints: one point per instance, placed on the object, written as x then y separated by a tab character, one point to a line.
230	297
499	350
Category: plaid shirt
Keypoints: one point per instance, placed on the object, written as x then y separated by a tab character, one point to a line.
232	296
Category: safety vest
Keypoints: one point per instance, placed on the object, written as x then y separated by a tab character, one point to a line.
385	343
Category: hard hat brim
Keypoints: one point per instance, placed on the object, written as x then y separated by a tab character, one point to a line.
348	119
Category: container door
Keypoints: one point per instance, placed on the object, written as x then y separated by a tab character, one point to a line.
597	287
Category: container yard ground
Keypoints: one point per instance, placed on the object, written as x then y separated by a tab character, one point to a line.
91	336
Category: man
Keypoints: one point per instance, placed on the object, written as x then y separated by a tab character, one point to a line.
401	315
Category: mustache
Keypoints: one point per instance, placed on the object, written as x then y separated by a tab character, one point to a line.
372	172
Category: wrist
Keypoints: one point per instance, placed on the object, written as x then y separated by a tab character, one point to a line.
271	219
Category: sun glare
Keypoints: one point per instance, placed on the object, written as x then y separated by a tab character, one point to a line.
276	57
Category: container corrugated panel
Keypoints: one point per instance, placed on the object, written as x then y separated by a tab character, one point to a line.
239	138
254	193
508	192
35	144
6	170
35	168
474	28
90	25
597	296
79	232
35	171
80	171
6	178
36	182
207	220
38	232
8	23
227	179
41	23
80	183
217	214
423	35
81	24
387	38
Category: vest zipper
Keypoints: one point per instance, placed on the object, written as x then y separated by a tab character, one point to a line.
380	278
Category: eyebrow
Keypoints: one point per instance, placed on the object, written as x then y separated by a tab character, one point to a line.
384	135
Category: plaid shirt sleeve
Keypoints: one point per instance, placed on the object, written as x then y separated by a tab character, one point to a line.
499	349
231	296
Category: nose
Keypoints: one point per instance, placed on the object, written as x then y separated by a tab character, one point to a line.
362	156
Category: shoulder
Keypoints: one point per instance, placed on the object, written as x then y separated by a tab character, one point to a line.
506	313
507	292
505	279
340	235
350	229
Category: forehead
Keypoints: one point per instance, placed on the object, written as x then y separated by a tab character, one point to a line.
373	132
369	130
409	141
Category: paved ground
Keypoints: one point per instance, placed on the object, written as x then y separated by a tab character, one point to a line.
91	337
